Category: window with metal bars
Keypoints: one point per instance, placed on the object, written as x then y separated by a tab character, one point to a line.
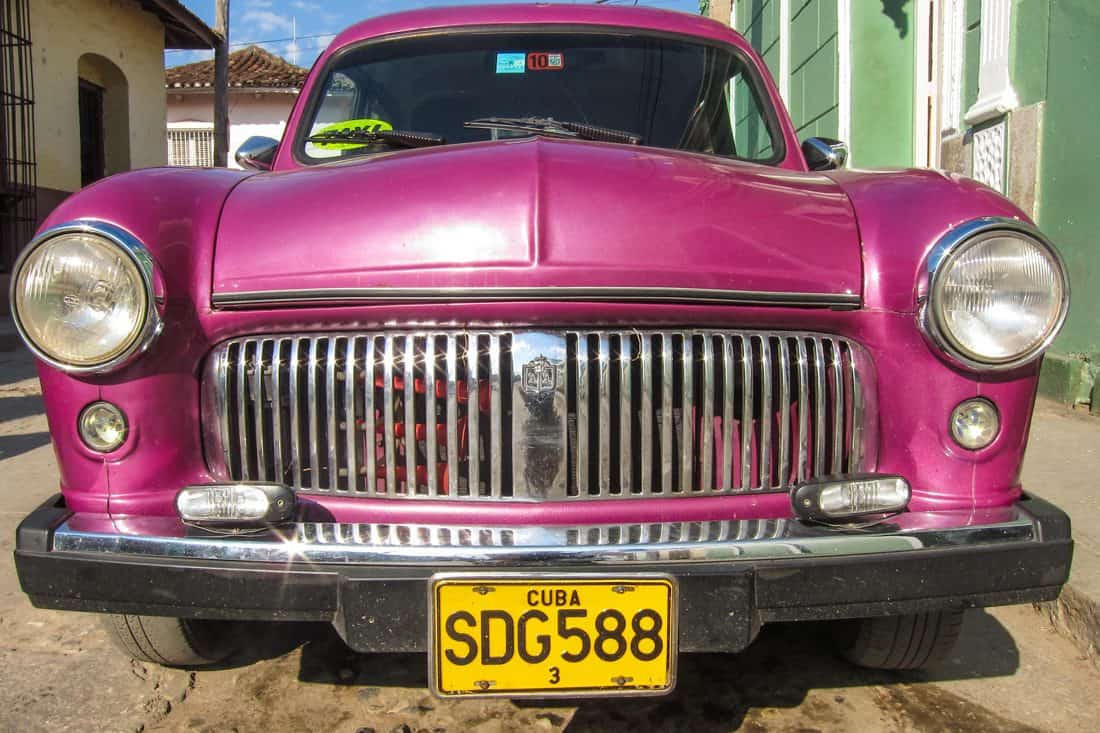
18	193
191	147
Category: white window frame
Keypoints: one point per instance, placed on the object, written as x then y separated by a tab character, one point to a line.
995	93
190	133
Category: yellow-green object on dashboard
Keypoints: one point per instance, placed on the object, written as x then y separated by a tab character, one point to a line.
363	125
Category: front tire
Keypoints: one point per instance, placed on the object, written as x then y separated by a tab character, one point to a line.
913	641
170	642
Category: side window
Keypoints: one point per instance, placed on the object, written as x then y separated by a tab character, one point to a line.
338	105
750	129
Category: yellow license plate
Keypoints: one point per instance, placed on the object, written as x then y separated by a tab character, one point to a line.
529	636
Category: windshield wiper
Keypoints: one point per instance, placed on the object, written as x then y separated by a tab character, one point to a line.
399	138
557	128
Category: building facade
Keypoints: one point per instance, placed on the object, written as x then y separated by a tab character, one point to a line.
262	90
89	81
1003	91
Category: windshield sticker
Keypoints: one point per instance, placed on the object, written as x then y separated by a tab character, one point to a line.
361	125
511	63
545	61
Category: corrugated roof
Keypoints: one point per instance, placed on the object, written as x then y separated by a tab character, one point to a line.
250	68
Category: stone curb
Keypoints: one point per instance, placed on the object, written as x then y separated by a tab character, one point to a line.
1075	616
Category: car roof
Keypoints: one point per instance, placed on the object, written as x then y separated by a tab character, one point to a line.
586	14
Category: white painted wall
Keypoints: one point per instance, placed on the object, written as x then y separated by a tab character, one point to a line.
250	113
127	37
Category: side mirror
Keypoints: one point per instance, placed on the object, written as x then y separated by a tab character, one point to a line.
257	153
824	153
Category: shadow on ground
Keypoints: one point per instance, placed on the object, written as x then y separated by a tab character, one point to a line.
715	692
14	445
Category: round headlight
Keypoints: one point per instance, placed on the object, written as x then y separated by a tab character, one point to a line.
998	295
975	423
102	427
82	297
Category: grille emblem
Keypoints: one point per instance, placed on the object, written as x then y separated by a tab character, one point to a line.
539	376
539	413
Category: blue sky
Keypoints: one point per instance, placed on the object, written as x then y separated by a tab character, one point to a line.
298	30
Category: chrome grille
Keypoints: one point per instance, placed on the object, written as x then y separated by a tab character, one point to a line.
447	414
427	535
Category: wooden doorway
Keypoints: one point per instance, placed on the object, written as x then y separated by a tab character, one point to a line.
92	158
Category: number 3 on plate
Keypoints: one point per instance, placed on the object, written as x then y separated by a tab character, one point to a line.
555	675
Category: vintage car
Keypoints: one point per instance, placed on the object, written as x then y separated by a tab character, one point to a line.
540	344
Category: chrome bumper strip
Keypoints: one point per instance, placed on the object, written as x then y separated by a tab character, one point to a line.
457	546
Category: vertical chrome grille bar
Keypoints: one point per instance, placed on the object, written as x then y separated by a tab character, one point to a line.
311	414
370	433
242	408
687	414
388	424
330	412
277	409
603	361
221	389
350	454
819	408
496	422
803	412
855	461
430	447
626	457
581	449
838	409
645	418
766	412
452	415
258	363
473	416
408	361
295	410
784	413
706	426
666	413
747	409
728	393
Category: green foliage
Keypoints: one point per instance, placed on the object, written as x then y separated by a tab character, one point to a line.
704	7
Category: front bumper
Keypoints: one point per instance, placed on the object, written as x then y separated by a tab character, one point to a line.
370	580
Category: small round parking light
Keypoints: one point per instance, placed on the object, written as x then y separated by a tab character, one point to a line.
975	424
103	427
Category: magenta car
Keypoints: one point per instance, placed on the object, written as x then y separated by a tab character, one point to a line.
540	344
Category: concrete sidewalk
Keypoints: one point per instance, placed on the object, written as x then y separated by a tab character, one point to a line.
1063	467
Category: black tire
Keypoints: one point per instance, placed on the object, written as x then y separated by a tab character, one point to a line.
900	642
170	642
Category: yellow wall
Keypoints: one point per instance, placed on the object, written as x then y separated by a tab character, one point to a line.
131	39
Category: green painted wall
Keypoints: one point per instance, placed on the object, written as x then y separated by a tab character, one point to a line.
883	70
973	53
1029	48
813	85
1070	163
758	21
883	58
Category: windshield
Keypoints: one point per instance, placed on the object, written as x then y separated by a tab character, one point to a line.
671	93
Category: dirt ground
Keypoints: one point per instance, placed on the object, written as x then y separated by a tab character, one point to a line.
58	672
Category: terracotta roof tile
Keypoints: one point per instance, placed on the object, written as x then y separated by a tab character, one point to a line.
250	68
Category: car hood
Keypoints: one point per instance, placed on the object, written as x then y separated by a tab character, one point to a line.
534	213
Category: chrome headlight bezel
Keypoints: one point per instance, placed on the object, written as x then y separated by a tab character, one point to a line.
939	261
133	249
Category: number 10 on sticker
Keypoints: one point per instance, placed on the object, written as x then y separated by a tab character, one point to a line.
545	61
